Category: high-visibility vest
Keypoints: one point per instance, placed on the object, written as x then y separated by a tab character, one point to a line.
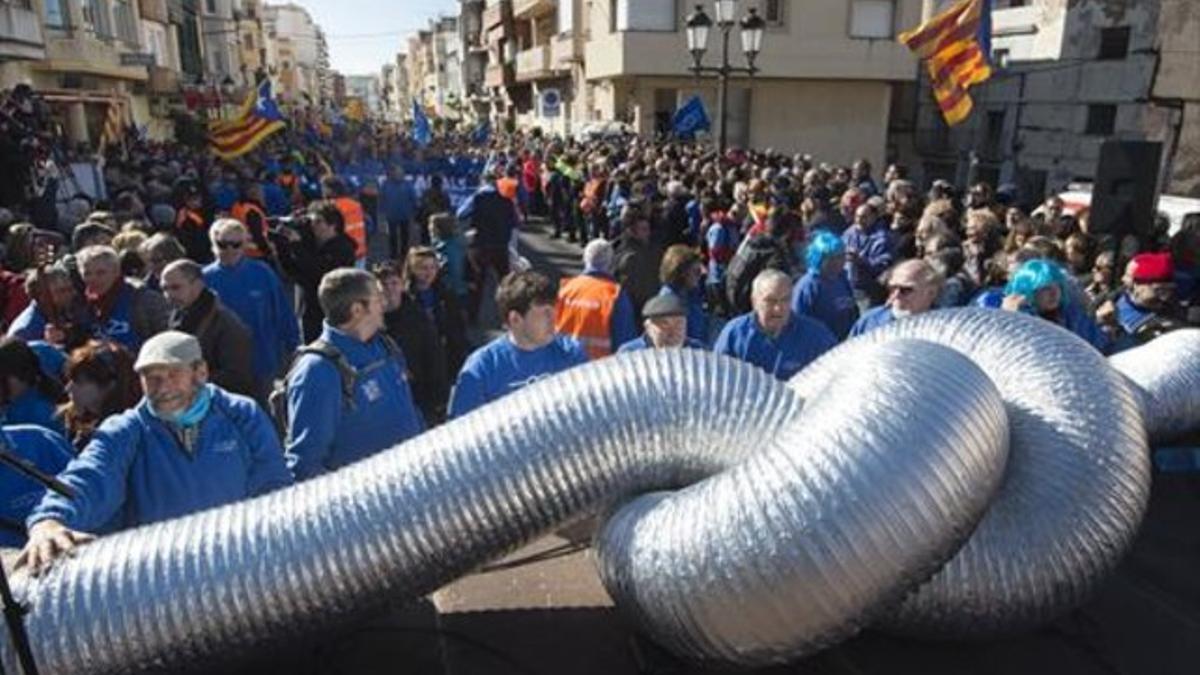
355	222
189	218
241	211
508	187
584	311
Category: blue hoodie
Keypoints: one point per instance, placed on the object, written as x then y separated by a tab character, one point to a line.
830	301
800	343
500	368
49	452
325	433
33	408
397	202
253	291
136	469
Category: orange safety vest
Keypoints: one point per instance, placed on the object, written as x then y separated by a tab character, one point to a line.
507	187
584	311
241	211
355	222
189	218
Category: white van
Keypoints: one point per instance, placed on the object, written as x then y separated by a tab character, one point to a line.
1176	211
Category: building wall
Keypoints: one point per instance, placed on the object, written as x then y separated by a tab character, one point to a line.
1178	83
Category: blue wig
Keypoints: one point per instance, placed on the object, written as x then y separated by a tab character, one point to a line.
822	245
1034	275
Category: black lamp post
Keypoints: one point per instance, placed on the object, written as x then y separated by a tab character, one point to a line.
698	27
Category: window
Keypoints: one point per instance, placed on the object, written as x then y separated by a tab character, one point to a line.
57	15
95	14
1101	120
125	21
1000	58
872	19
650	15
210	6
774	12
1114	43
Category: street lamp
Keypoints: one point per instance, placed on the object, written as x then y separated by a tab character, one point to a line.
698	27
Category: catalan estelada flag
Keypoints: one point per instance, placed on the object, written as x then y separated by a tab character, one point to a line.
956	47
258	118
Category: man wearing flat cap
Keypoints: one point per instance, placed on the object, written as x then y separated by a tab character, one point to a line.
188	445
665	324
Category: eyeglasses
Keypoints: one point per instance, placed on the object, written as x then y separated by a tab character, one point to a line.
901	290
229	244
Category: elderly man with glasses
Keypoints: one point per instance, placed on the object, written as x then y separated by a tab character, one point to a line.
912	288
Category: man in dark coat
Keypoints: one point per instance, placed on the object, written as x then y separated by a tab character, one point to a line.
224	339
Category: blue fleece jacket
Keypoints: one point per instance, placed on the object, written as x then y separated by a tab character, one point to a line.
800	343
876	317
32	408
830	301
30	324
324	432
500	368
138	471
397	202
253	291
49	452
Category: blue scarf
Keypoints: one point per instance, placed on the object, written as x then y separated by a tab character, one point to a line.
194	414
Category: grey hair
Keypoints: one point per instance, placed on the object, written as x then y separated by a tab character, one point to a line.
90	254
598	256
766	280
340	289
189	268
223	225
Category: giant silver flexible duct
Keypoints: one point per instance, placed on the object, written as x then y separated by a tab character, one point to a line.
849	508
1077	482
402	523
1167	376
398	525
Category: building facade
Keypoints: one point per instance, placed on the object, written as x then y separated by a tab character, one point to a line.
1069	75
297	55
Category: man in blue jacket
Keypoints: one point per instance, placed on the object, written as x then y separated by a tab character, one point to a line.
770	336
254	292
334	421
494	219
398	206
665	324
187	446
912	288
528	352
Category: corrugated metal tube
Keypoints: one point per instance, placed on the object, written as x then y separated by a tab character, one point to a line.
1076	486
1167	374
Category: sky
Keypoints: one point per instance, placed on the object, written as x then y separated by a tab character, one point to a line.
365	34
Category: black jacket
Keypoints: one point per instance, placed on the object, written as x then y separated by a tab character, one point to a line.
758	253
224	341
426	359
306	262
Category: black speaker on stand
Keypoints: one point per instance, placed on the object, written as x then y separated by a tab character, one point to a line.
1123	195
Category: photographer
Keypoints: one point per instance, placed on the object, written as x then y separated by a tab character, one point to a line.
309	246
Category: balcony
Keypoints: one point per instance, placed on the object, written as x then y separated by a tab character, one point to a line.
528	9
20	34
496	75
535	64
562	52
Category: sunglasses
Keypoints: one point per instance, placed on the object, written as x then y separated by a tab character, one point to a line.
229	244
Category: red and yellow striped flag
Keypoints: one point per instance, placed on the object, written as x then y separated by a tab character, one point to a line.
114	125
956	47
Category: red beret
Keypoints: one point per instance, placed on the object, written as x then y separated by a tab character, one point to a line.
1149	268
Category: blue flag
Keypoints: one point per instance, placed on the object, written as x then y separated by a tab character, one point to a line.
481	133
690	118
421	132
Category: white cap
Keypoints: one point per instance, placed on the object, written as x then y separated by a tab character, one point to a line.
170	348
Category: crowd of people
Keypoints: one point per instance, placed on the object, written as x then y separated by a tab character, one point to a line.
211	330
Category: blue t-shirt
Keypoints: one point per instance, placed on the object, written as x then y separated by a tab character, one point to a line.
830	301
800	342
500	368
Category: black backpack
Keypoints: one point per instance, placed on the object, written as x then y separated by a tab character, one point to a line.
277	402
755	255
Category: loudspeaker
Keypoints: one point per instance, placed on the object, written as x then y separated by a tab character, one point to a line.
1124	192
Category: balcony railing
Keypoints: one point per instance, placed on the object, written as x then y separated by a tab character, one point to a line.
562	53
533	63
20	33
